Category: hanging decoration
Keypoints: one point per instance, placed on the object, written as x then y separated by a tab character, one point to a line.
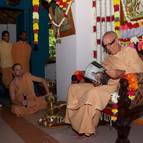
94	45
132	88
65	5
116	5
103	21
114	99
133	85
35	14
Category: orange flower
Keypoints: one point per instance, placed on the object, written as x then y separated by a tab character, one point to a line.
132	87
133	84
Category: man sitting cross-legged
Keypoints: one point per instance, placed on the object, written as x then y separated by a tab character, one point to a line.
24	100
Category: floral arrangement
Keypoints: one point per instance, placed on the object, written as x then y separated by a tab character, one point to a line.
35	14
132	87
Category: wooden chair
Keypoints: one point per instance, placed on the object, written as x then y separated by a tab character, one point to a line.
127	110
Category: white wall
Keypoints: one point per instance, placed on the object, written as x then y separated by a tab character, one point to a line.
12	30
75	51
83	33
65	64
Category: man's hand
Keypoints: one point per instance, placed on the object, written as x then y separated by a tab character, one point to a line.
96	83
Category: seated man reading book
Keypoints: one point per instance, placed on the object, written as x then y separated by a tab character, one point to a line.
85	101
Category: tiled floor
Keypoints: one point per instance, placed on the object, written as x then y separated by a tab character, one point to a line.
26	130
22	130
105	134
7	135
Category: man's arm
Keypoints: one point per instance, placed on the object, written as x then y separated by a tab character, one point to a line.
115	73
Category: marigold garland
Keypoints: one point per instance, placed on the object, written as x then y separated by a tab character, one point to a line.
116	4
132	87
35	4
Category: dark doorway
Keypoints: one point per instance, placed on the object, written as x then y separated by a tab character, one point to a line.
11	20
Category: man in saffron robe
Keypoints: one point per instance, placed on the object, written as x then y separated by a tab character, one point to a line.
85	102
24	100
6	61
21	52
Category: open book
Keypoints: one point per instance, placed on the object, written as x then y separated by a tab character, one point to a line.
95	73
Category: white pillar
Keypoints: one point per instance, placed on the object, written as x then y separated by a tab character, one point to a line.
75	52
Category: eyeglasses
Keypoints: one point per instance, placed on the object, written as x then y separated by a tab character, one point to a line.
109	44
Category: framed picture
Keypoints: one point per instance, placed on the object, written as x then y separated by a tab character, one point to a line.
133	8
67	28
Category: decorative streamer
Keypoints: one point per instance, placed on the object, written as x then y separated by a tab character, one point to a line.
35	14
104	22
116	4
94	46
100	29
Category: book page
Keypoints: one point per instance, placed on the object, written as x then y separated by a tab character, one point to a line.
93	72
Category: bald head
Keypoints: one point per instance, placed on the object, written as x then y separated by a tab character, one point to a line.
110	42
109	34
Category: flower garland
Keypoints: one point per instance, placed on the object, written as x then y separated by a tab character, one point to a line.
65	5
132	87
114	99
35	4
116	4
94	44
103	21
